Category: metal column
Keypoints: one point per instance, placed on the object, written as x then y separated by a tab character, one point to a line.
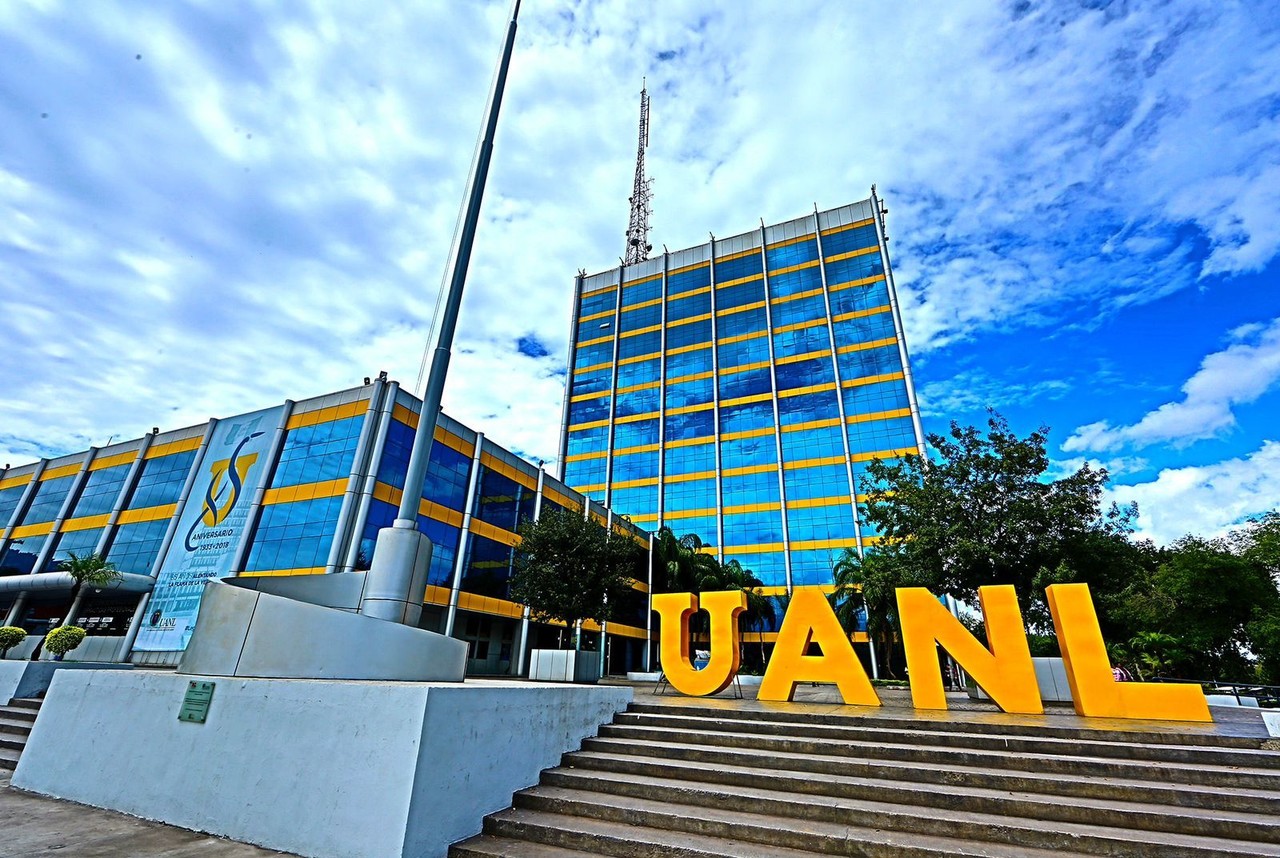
464	539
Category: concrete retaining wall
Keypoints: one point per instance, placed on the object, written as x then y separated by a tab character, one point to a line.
329	768
32	678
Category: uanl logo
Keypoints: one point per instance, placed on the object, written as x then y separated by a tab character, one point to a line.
226	485
1004	670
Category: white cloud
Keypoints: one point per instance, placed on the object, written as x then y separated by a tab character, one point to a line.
1237	375
1207	500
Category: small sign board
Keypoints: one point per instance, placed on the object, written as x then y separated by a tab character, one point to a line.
195	703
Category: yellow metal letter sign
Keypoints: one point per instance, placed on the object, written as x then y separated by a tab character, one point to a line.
674	610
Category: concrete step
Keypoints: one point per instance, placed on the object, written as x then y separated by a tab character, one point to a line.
18	726
488	846
603	794
1132	749
15	713
755	838
12	741
25	703
9	758
617	773
1206	775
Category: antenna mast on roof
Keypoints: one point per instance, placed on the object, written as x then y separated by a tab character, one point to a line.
638	245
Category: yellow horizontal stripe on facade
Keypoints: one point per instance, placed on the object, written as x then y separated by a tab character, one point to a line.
679	350
583	397
865	251
305	491
729	284
753	507
885	454
689	321
566	501
727	371
813	463
750	251
853	284
622	630
497	534
869	344
19	480
812	503
601	290
450	440
637	332
438	512
688	442
685	409
745	400
652	302
806	356
328	415
643	519
786	242
804	544
834	229
478	604
87	522
798	296
690	267
781	589
685	478
607	338
147	513
582	457
860	314
126	458
583	370
603	314
648	385
386	493
691	377
61	471
871	379
689	513
747	433
701	290
593	424
529	481
642	448
799	326
436	595
792	268
635	484
758	548
31	530
755	305
636	418
279	573
812	424
749	469
158	450
639	358
879	415
801	391
648	278
404	415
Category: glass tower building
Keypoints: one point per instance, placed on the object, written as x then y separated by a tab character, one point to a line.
737	390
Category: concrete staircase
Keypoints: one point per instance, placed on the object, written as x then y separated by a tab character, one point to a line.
16	721
706	780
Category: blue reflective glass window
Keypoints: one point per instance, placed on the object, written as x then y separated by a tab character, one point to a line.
861	481
805	373
745	452
808	407
752	528
594	329
701	526
792	254
794	282
693	424
82	542
638	401
864	329
751	292
798	310
737	324
693	392
591	440
502	501
641	317
864	362
820	522
741	489
749	382
635	433
743	418
771	570
820	481
48	500
640	344
689	495
101	491
634	500
875	398
874	435
688	363
9	499
846	240
857	268
592	381
444	550
813	567
294	535
685	308
323	451
135	547
688	334
589	410
869	530
598	303
743	266
815	443
754	350
394	464
594	354
448	472
639	372
801	341
638	293
586	472
687	281
635	466
692	459
20	557
488	567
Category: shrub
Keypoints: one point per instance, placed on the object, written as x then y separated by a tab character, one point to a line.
10	636
63	639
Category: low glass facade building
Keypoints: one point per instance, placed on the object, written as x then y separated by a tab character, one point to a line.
737	389
302	488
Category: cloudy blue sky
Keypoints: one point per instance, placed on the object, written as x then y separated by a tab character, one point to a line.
207	207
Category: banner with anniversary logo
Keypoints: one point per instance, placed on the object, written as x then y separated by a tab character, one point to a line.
210	525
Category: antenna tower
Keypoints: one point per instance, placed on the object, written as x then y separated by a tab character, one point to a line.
638	245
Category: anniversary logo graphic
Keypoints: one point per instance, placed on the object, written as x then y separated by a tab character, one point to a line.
210	526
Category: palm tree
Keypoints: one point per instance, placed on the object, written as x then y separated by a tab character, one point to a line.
760	613
867	583
92	569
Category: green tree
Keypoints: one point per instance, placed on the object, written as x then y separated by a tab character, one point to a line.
91	570
10	636
681	565
869	583
761	613
570	569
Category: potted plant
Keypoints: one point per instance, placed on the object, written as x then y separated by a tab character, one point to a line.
63	640
10	636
